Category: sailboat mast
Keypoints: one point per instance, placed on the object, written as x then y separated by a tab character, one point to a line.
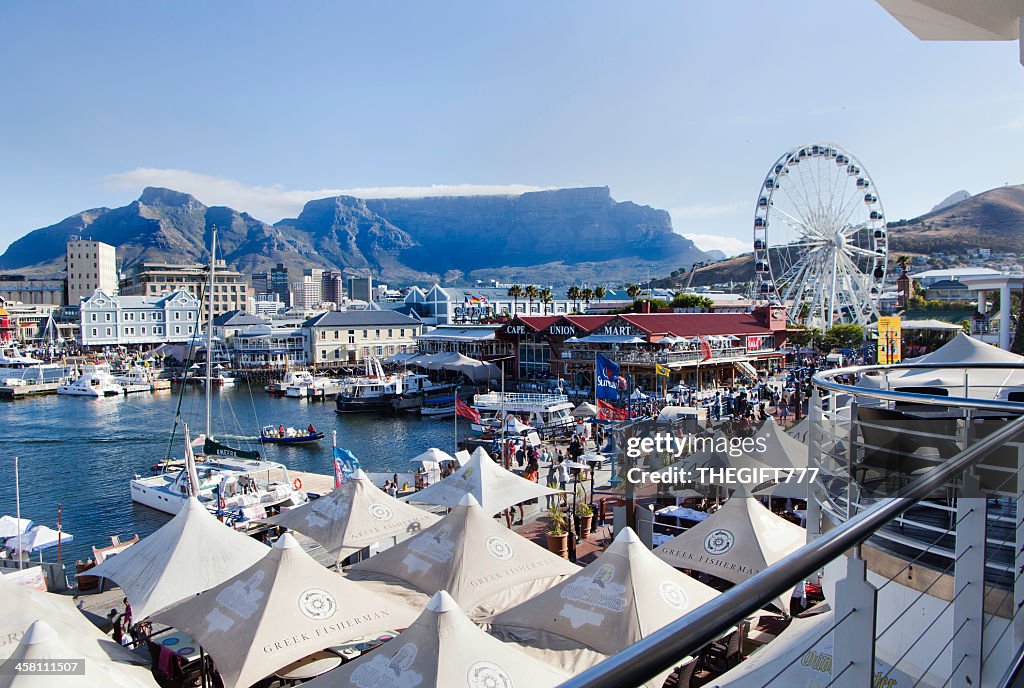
209	330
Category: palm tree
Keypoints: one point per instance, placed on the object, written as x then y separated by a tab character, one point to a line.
599	293
531	293
633	290
574	295
588	295
546	297
903	261
516	292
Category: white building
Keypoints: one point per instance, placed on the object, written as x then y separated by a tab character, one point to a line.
266	346
91	265
107	320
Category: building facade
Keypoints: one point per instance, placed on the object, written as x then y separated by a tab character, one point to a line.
265	346
90	265
19	288
475	341
360	288
337	338
107	320
230	288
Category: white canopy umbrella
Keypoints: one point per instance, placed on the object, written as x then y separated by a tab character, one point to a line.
189	554
638	395
36	539
461	457
485	566
585	410
443	648
11	526
735	542
282	608
780	449
22	606
624	595
494	488
43	643
356	515
433	456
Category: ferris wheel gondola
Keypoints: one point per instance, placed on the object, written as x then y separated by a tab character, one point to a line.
820	245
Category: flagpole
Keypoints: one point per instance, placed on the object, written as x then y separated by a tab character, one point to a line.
17	499
456	423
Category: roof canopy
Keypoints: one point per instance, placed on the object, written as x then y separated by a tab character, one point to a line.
189	554
354	516
493	487
780	450
485	566
737	541
279	610
443	648
962	349
11	526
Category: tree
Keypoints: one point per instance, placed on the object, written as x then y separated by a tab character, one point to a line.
903	261
847	336
599	293
516	292
546	297
587	295
802	338
531	293
633	290
574	294
685	300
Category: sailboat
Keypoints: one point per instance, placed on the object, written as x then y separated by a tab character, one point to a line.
231	480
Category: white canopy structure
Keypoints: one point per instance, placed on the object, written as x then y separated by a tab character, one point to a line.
585	410
780	450
443	648
485	566
43	643
432	456
737	541
624	595
801	430
11	526
494	488
282	608
356	515
189	554
36	539
22	606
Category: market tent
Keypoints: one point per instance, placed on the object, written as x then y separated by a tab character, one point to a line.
740	539
354	516
622	596
585	410
36	539
461	457
11	526
43	643
515	426
402	357
482	564
780	450
22	606
432	456
284	607
189	554
801	430
961	350
443	648
494	488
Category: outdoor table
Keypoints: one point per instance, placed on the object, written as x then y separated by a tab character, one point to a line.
309	667
358	646
179	643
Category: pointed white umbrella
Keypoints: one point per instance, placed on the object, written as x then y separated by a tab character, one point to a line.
737	541
11	526
776	448
432	456
494	488
354	516
624	595
485	566
22	606
43	643
282	608
38	538
443	648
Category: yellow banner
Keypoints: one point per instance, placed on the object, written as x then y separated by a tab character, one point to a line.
889	333
661	370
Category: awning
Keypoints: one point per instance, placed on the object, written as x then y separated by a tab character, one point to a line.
747	368
607	339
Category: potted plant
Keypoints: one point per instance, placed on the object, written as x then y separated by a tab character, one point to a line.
585	513
558	536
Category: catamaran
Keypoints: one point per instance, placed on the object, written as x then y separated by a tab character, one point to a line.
95	381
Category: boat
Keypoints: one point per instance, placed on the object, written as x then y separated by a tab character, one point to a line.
272	435
291	378
418	390
440	407
372	391
136	379
305	384
550	412
17	369
95	381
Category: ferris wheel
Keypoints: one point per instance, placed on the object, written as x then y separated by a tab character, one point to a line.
820	245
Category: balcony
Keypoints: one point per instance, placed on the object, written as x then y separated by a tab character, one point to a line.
687	357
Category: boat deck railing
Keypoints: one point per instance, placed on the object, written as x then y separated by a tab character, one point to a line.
519	401
918	505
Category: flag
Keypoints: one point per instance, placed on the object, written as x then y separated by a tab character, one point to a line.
345	465
705	349
606	411
607	378
661	370
464	410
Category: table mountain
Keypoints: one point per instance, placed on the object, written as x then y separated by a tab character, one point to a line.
536	236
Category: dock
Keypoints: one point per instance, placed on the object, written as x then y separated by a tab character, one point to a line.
313	482
34	390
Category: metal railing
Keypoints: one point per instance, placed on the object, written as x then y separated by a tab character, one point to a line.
664	649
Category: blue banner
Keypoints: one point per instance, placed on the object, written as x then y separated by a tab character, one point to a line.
607	378
345	464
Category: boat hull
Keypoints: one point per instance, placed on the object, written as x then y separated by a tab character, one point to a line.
362	405
305	439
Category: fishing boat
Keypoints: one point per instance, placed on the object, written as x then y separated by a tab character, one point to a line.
372	391
283	435
95	381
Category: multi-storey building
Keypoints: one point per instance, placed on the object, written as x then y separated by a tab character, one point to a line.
308	291
343	337
280	283
333	287
107	320
18	288
360	288
90	265
230	289
267	346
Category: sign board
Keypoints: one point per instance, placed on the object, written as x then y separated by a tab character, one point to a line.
889	334
755	342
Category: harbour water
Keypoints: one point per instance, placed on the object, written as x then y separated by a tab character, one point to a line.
81	452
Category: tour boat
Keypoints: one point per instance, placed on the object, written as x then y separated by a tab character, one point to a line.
137	379
273	435
373	391
17	369
305	384
541	411
95	381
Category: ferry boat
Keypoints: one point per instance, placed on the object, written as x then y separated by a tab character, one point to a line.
17	369
551	412
376	391
95	381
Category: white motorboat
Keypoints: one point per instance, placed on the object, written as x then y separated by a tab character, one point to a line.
548	411
304	384
17	369
95	381
137	379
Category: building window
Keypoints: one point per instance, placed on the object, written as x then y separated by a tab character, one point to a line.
108	331
94	332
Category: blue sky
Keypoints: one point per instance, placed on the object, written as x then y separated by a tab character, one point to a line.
682	106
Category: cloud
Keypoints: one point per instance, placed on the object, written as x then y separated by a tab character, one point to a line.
1015	124
730	246
271	203
705	211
